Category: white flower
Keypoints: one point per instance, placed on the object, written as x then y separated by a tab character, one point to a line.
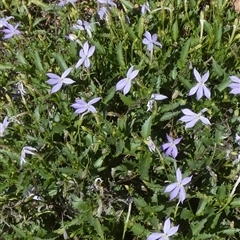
26	150
3	126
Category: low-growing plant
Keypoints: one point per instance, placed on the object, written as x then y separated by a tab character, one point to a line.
119	119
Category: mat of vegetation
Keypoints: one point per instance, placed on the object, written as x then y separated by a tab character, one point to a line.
119	120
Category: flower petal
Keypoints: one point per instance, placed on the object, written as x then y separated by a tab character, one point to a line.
179	175
191	123
121	84
186	180
188	112
193	90
94	100
205	77
207	92
199	92
204	120
127	87
197	75
172	231
170	187
167	225
235	79
57	87
182	194
66	72
154	236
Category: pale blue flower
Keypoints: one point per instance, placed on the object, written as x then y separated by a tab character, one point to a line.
26	150
107	2
3	126
235	85
145	8
168	231
65	2
150	41
10	31
200	87
102	12
177	188
126	83
4	21
57	81
192	118
170	147
82	25
81	106
154	97
85	53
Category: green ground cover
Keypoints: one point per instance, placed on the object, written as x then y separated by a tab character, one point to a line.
119	120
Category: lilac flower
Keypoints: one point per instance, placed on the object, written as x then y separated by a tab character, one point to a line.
54	79
168	231
65	2
192	118
154	97
235	85
26	150
150	144
82	25
126	83
237	139
170	147
10	31
81	106
102	12
85	53
177	188
145	8
107	2
4	21
3	126
200	87
73	37
150	40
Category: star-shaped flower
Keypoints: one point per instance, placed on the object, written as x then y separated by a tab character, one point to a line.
4	21
177	188
10	31
145	8
3	126
65	2
84	54
170	147
192	118
200	87
154	97
59	81
126	83
168	231
235	85
26	150
81	106
150	41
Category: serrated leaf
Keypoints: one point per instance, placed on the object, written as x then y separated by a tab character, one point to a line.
146	128
169	115
120	57
127	100
197	227
144	166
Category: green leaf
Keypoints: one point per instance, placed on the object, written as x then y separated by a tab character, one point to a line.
127	100
186	214
110	95
127	4
217	68
185	50
175	30
37	61
60	61
98	228
120	57
144	166
169	115
19	231
224	85
185	82
197	227
146	128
